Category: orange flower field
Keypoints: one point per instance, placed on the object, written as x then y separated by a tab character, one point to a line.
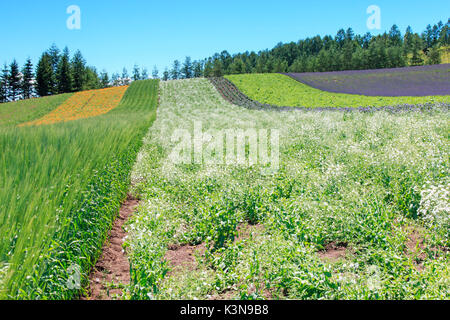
82	105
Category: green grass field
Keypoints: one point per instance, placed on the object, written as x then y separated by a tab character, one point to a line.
281	90
357	209
14	113
61	187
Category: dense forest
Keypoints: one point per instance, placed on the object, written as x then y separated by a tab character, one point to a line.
58	72
345	51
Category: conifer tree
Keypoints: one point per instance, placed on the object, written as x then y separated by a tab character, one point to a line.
104	79
408	41
4	84
144	75
175	72
155	73
166	75
27	81
15	81
395	36
136	73
416	59
55	57
198	69
187	71
125	77
218	68
434	57
64	73
78	72
115	78
44	76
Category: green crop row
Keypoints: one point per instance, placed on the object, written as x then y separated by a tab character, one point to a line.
281	90
14	113
61	187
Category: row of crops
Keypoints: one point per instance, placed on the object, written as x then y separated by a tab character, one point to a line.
411	81
82	105
61	186
231	93
357	209
281	90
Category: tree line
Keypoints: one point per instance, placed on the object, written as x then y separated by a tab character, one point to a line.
58	72
345	51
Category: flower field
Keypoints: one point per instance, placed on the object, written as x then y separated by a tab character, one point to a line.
412	81
281	90
357	206
357	210
83	105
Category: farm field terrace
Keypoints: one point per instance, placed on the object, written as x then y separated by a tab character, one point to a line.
84	104
357	210
14	113
281	90
412	81
61	186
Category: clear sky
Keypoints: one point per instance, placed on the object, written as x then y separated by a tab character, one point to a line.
116	34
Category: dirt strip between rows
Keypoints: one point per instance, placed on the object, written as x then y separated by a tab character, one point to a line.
112	270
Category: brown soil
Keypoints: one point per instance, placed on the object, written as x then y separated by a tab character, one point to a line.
183	258
333	251
415	248
113	266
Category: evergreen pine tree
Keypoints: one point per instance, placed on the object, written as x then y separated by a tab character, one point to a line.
434	57
186	70
115	78
408	41
55	57
104	79
4	84
64	73
208	71
144	75
15	81
78	72
166	75
125	77
237	66
155	73
175	72
217	70
44	76
395	36
198	69
136	73
416	59
92	79
27	82
347	55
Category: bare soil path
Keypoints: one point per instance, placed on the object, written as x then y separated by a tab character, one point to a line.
112	270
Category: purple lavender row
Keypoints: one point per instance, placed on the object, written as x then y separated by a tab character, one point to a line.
410	81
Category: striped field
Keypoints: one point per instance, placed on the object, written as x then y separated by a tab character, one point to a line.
82	105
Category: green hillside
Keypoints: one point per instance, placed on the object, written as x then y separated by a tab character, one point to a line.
14	113
281	90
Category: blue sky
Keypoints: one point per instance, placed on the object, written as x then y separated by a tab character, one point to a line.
116	34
